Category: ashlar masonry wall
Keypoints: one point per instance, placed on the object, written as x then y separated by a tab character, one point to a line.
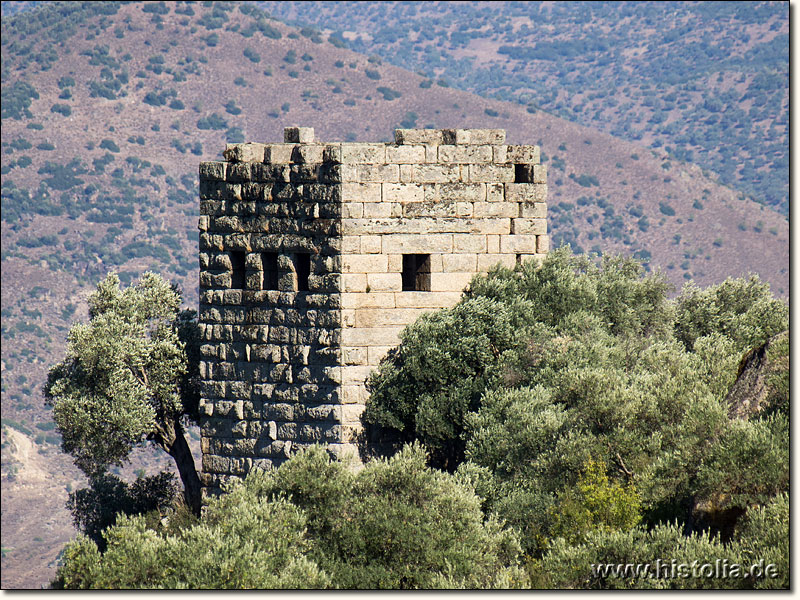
314	256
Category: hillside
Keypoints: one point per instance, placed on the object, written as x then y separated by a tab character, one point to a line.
706	81
108	108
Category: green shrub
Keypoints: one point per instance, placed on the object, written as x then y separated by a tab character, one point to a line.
213	121
666	209
15	100
252	55
63	109
109	145
394	524
537	373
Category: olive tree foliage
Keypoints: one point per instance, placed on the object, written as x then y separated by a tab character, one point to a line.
762	540
314	523
126	379
540	377
95	508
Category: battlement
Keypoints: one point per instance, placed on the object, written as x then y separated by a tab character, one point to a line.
314	256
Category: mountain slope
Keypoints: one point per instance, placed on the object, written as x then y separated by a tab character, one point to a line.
708	81
108	109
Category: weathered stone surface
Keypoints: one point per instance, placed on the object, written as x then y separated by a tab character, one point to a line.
418	136
523	154
298	135
303	246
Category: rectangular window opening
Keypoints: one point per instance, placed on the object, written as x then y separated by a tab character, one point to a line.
237	270
523	173
302	269
269	271
416	272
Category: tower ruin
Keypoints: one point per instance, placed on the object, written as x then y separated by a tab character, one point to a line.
314	256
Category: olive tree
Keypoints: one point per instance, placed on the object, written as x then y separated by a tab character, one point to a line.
129	376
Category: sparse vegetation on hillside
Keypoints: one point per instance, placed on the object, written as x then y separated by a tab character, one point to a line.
714	95
118	189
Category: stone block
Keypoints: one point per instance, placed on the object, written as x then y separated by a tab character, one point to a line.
371	244
465	154
308	153
445	208
351	244
332	153
455	192
354	356
354	395
473	136
459	263
237	173
383	317
403	192
522	154
364	263
542	244
354	282
495	209
396	263
489	173
212	170
298	135
464	242
361	192
487	261
417	244
278	153
353	153
371	300
526	192
518	244
355	374
377	210
528	226
370	173
450	282
405	154
375	355
418	136
352	210
371	336
433	173
533	210
248	152
384	282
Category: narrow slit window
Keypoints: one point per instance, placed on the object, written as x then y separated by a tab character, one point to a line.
237	270
269	271
417	272
302	269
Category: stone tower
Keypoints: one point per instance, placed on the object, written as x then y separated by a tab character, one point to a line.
314	256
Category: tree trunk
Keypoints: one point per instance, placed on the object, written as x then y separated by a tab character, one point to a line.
171	438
